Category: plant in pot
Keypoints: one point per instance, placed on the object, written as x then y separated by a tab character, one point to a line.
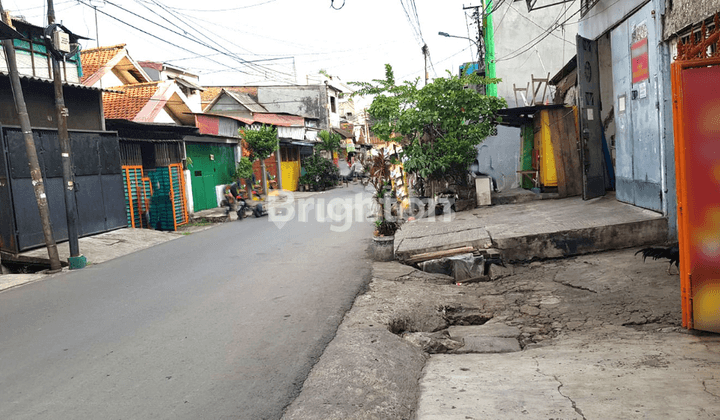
378	170
243	174
320	172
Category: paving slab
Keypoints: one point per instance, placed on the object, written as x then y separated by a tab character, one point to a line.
485	330
440	233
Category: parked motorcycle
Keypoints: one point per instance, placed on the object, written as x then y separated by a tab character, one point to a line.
245	210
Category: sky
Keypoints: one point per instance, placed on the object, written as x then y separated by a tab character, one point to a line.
282	41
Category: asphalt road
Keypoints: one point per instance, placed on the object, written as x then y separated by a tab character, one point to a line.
221	324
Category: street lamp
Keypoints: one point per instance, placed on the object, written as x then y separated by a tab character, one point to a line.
447	35
481	61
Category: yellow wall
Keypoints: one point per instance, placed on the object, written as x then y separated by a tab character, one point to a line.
290	175
548	172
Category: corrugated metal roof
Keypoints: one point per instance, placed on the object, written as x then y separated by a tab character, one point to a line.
50	81
188	84
267	118
246	101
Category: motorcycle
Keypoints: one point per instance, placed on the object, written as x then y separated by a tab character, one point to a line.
245	210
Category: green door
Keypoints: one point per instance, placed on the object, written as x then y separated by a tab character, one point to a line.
212	165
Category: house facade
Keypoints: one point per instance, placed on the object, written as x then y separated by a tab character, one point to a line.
163	186
628	98
95	152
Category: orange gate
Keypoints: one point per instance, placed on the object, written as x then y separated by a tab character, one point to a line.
696	114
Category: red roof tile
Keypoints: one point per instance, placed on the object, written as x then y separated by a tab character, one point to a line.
94	58
127	105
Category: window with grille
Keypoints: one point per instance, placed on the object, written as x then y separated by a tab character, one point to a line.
586	5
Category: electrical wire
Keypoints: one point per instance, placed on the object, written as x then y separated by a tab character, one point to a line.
202	33
416	34
510	6
532	43
183	35
161	39
229	53
222	10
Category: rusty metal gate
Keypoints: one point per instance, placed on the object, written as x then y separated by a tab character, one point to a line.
98	180
696	109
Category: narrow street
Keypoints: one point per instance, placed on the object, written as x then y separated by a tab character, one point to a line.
224	323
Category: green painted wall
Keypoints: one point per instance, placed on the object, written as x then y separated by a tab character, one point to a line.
212	165
528	139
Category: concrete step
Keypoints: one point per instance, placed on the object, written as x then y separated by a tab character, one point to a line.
538	229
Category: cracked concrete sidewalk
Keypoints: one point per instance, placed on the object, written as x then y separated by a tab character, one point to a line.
589	337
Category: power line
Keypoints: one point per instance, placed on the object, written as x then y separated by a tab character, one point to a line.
258	67
222	10
236	58
161	39
416	31
532	43
510	6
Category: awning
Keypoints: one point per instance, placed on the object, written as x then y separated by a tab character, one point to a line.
297	143
517	117
188	84
8	32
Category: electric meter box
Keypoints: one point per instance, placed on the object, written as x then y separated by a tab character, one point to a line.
61	41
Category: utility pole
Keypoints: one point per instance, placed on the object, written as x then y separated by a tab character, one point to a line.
480	40
426	51
61	112
35	173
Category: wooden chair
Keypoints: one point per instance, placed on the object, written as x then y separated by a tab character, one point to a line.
523	95
536	89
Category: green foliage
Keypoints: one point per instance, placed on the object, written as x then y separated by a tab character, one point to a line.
320	173
329	141
439	125
244	169
386	227
261	143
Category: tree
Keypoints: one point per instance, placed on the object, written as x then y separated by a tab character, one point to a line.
244	170
438	125
261	143
329	142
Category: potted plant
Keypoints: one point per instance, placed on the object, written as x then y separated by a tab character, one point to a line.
378	169
320	173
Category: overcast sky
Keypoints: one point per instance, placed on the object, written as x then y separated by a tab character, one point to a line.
295	38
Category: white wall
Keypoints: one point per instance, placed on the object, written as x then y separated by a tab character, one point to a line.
606	14
519	50
109	80
499	156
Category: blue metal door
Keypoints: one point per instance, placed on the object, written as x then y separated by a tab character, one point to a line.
638	140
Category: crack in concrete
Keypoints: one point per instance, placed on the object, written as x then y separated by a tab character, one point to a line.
555	280
574	404
575	287
492	241
706	390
